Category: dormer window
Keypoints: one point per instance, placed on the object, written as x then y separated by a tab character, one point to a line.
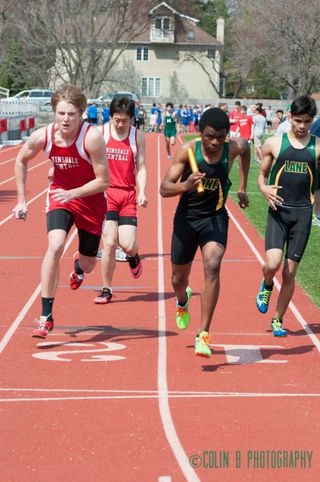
162	26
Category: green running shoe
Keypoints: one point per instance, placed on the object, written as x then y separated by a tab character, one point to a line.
182	312
276	325
202	345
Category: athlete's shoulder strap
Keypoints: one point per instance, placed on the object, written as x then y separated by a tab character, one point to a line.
133	141
49	139
80	141
285	143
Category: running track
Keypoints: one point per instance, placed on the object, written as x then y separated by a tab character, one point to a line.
115	393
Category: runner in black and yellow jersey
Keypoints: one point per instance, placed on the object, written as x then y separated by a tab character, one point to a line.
202	219
291	164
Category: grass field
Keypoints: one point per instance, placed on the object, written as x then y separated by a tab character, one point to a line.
309	270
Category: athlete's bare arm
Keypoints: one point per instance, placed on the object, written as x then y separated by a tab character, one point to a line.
28	151
170	186
240	147
141	170
270	151
96	149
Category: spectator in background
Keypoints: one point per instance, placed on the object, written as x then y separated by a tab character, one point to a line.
285	125
259	128
159	117
269	117
141	118
153	118
277	119
106	113
223	106
315	128
260	105
185	120
245	127
178	117
92	112
234	117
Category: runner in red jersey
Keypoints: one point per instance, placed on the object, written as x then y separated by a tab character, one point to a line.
125	147
245	127
75	196
234	117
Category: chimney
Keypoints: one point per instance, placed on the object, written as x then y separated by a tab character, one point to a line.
220	29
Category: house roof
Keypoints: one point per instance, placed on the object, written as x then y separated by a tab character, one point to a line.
175	12
183	27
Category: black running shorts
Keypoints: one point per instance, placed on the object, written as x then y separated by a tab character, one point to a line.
290	227
189	234
62	219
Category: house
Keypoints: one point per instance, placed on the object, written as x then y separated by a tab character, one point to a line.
160	53
174	59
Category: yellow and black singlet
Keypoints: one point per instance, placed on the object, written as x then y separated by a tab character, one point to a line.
296	171
216	185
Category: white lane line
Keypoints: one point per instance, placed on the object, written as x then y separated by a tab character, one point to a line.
164	408
14	326
292	306
183	396
28	203
7	161
31	169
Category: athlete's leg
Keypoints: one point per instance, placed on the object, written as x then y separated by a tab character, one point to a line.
88	249
128	239
167	139
212	254
50	268
271	265
180	280
108	262
59	223
287	287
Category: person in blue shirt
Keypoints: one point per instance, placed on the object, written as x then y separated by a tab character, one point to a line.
315	128
106	113
153	118
159	118
92	112
185	119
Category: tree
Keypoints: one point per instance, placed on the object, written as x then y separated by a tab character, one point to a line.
281	36
79	41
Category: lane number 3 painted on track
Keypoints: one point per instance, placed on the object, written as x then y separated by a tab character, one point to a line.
99	352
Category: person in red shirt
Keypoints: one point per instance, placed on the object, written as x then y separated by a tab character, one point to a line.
234	117
75	194
125	146
245	127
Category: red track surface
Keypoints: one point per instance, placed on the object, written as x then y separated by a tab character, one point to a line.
115	393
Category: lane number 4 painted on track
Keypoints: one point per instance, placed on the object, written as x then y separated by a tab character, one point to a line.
93	352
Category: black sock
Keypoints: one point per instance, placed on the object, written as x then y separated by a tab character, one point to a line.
269	287
182	304
77	268
47	307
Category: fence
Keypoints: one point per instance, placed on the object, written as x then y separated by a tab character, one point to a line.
18	119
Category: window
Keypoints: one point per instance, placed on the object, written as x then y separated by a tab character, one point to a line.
151	86
142	53
162	26
211	54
